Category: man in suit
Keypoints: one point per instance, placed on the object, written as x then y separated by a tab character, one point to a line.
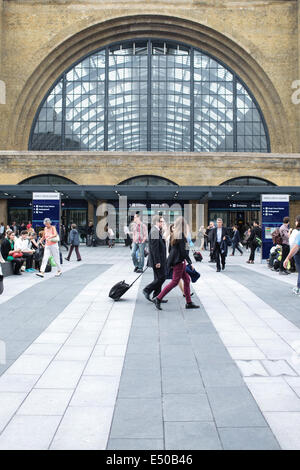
157	258
219	244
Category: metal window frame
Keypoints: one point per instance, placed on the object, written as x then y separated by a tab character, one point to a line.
149	41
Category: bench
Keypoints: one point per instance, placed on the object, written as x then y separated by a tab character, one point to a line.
7	269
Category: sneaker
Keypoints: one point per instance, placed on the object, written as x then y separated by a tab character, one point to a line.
67	259
135	269
139	271
296	291
283	273
59	273
39	274
23	268
32	270
28	270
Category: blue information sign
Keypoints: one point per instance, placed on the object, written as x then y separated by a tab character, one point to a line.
273	209
46	205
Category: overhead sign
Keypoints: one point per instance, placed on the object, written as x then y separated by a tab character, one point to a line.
234	206
46	205
273	209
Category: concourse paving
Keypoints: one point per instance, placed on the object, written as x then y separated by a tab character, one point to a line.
84	372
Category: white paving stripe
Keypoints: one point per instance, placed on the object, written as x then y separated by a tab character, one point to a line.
265	346
71	373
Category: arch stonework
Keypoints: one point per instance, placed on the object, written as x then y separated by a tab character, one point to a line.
152	26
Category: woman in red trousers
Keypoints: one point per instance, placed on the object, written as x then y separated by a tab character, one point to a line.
178	258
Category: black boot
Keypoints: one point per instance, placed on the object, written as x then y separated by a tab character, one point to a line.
157	303
147	295
191	305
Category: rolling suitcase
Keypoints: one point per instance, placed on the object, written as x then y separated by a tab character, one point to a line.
119	289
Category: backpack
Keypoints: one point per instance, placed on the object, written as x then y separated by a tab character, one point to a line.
276	237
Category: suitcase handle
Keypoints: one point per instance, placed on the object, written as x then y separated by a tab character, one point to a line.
139	276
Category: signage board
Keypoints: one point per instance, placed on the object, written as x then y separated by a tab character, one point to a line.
274	207
46	205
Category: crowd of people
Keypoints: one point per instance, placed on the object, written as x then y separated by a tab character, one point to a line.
168	252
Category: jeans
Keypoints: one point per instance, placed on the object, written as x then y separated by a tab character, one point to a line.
51	250
179	272
252	254
297	262
138	255
29	260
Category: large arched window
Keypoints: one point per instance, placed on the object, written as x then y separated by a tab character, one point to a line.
148	180
247	181
149	95
47	179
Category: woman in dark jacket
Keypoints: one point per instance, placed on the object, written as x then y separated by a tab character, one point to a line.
7	249
178	257
236	240
74	243
255	235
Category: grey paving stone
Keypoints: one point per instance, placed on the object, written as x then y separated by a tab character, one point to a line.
174	338
144	332
248	439
218	354
197	329
140	384
135	444
141	361
181	380
186	407
221	375
206	341
234	407
149	347
177	356
15	348
137	418
191	436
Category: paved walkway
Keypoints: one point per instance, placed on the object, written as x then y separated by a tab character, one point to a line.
83	372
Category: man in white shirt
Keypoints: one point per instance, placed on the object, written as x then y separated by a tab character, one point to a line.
23	244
